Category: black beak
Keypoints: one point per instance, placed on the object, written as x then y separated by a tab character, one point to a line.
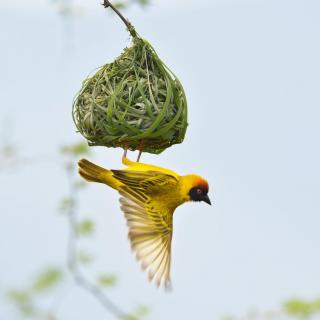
206	199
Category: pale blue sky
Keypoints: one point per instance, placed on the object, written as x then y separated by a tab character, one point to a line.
251	71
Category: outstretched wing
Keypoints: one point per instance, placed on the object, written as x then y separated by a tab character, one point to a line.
149	219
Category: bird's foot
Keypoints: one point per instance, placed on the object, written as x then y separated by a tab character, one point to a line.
140	148
139	155
125	152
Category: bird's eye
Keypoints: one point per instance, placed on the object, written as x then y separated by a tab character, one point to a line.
199	191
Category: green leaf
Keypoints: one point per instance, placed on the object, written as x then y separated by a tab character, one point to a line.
120	5
143	3
228	317
47	279
301	308
140	312
80	184
76	149
129	317
316	305
66	204
19	296
107	280
22	299
9	151
85	228
84	258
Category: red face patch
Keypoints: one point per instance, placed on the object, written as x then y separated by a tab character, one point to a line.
203	184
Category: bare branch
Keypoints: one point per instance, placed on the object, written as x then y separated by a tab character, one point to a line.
107	4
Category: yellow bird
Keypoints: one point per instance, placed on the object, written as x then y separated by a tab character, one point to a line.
149	197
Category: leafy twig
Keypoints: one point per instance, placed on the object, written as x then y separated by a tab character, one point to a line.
78	277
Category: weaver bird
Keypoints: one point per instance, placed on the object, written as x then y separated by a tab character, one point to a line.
149	197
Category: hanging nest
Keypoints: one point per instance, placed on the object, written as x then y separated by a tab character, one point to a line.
135	102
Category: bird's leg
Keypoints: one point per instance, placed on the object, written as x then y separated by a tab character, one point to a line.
139	155
140	148
125	151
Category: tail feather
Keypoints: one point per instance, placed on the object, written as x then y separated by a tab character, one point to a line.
91	172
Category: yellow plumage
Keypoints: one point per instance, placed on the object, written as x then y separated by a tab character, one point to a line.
149	197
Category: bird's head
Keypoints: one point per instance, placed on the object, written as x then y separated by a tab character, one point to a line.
197	189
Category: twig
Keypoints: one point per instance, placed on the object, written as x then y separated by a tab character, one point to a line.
107	4
78	277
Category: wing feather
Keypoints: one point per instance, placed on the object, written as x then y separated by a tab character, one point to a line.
149	222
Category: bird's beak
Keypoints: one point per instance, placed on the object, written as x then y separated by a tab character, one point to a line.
206	199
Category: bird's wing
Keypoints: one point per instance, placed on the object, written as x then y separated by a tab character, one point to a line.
149	220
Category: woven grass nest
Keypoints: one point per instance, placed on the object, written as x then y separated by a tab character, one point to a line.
135	102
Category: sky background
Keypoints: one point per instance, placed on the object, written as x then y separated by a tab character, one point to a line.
251	71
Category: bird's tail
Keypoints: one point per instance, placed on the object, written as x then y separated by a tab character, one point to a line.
92	172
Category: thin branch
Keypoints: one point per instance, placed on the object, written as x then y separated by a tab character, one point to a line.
78	277
107	4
